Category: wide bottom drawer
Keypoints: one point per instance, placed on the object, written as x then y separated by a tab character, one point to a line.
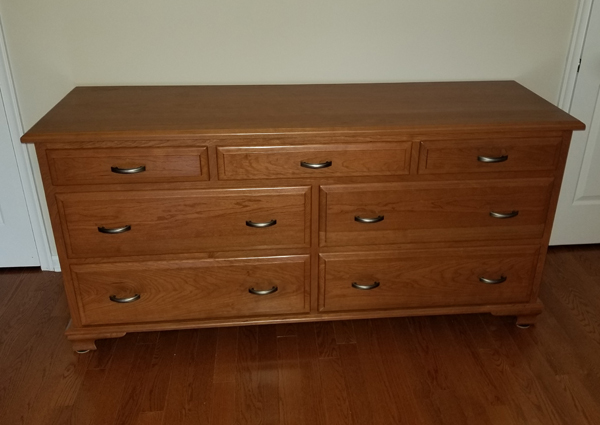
191	289
434	278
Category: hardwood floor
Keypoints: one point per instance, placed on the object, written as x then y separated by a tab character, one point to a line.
472	369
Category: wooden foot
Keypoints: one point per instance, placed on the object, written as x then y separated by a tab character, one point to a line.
84	340
524	321
83	345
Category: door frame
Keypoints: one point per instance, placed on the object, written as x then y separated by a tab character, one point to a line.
582	19
24	155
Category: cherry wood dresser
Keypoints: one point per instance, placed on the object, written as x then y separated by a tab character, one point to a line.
185	207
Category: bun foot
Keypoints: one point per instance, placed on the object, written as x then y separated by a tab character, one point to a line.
82	346
525	321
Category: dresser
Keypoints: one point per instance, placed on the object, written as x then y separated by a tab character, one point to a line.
201	206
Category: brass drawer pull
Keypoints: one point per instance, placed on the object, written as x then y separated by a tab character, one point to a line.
325	164
263	292
493	281
134	170
368	220
261	225
114	230
490	159
365	287
126	300
504	215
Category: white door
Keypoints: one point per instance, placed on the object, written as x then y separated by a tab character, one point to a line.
578	214
17	245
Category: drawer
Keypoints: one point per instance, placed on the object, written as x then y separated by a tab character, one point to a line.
123	165
493	155
369	214
194	289
426	279
183	221
336	160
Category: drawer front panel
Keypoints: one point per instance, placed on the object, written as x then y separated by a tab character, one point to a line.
426	279
494	155
123	165
182	221
432	212
314	161
181	290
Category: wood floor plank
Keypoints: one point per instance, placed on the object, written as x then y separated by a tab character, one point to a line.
286	329
226	355
159	373
130	404
108	395
223	408
150	418
177	408
291	410
199	391
344	332
407	369
310	375
335	396
326	342
391	403
360	406
268	374
248	404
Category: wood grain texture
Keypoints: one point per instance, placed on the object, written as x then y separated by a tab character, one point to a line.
90	113
460	156
472	369
267	162
93	166
191	289
168	222
436	278
433	212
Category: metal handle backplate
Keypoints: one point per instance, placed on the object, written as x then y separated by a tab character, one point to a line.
368	220
493	281
365	287
114	230
315	166
490	159
125	300
133	170
504	215
263	292
261	225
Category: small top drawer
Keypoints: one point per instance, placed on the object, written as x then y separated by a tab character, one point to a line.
492	155
127	165
349	159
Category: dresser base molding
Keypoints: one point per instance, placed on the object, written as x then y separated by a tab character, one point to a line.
83	339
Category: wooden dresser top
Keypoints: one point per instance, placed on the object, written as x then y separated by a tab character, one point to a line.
137	112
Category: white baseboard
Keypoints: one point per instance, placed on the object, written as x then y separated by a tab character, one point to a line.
55	264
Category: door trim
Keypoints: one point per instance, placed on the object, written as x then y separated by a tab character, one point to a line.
24	155
582	19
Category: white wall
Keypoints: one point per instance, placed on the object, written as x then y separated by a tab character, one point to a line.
54	45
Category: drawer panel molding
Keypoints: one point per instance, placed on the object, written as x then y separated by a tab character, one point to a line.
127	165
368	281
395	213
314	161
489	156
185	290
184	221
